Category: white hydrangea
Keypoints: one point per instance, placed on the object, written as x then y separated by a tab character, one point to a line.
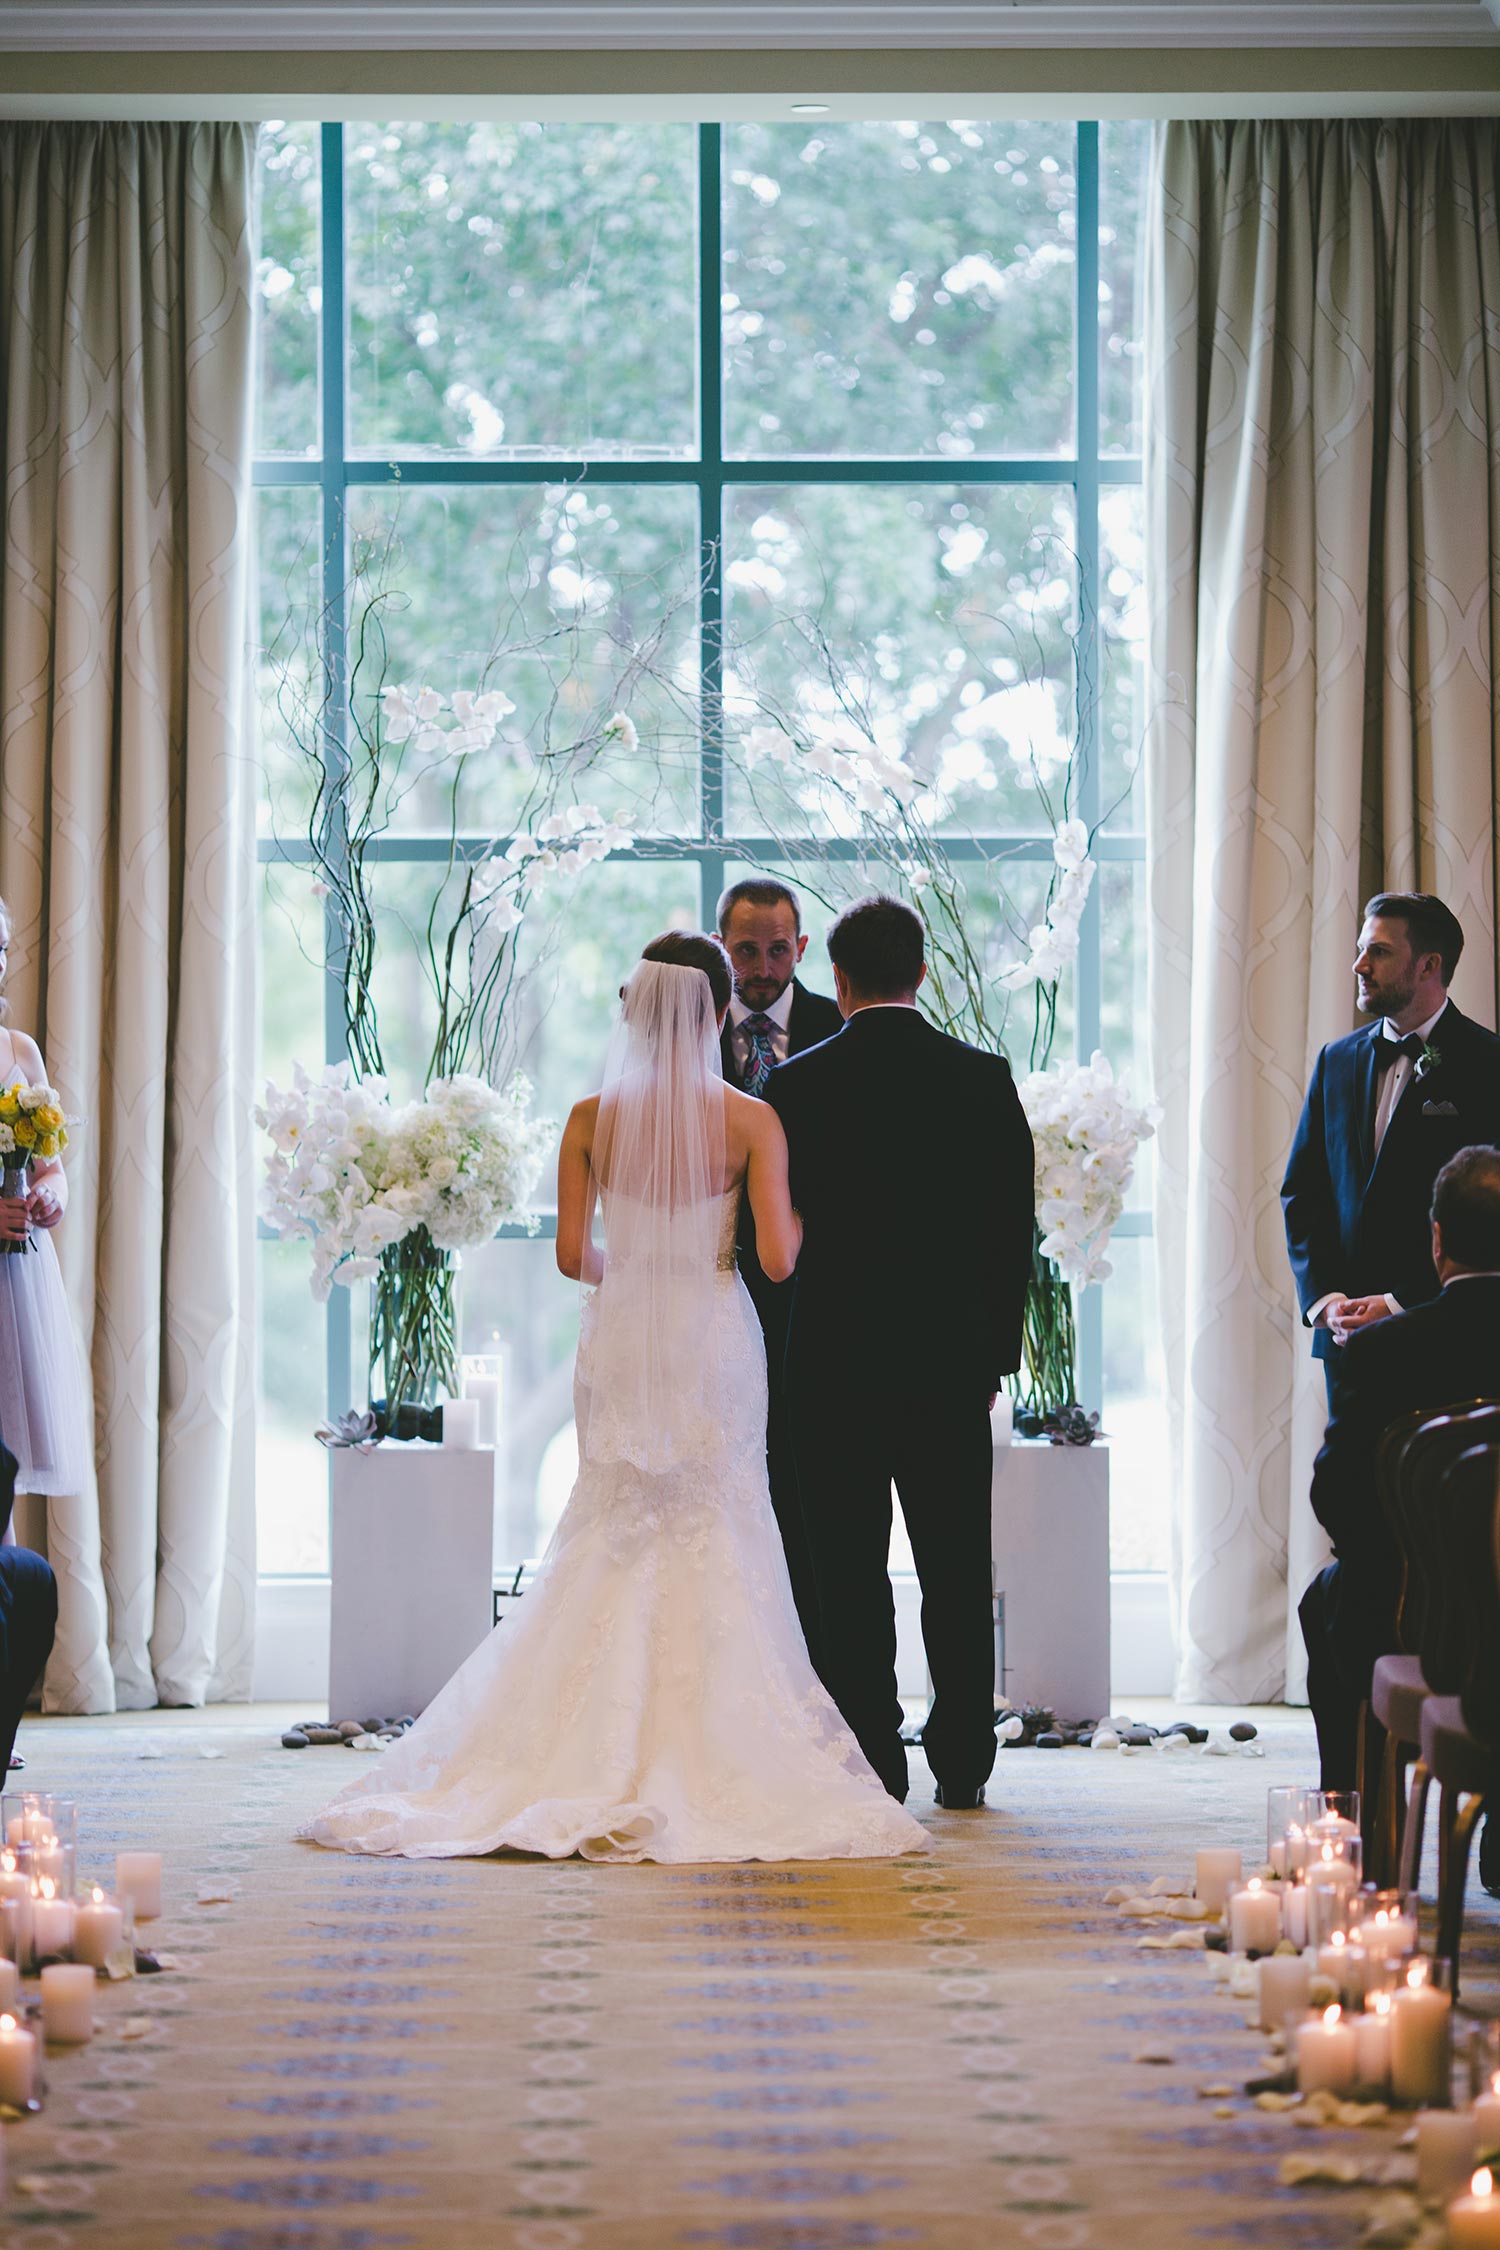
351	1175
1086	1129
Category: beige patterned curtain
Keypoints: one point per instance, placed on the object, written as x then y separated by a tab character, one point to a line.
126	851
1323	532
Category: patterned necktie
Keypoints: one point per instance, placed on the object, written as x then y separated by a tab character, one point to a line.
760	1031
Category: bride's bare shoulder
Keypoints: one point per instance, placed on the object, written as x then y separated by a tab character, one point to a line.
582	1118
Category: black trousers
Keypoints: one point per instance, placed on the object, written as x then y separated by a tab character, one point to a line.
28	1625
857	1430
773	1307
1348	1619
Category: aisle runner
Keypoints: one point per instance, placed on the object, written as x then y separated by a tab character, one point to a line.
383	2055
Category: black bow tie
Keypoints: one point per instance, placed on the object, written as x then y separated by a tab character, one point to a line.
1388	1049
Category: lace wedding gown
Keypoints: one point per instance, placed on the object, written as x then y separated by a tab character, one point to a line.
651	1697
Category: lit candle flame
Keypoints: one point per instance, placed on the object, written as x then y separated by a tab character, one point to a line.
7	2023
1380	2003
1327	1855
47	1887
1332	2015
98	1896
1483	2183
1253	1884
1338	1938
1416	1976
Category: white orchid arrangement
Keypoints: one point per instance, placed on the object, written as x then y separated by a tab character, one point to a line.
1087	1130
415	714
852	765
565	843
352	1175
1053	942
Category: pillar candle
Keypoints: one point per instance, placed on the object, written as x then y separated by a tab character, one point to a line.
1278	1857
1294	1913
1447	2149
31	1828
1327	2053
98	1927
1296	1849
15	1908
1420	2019
1254	1919
461	1424
51	1921
138	1878
68	2003
1487	2119
1394	1935
1216	1872
10	1986
1372	2035
1333	1963
1283	1983
1474	2219
17	2063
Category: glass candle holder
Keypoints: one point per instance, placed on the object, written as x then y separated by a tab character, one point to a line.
1334	1811
480	1373
1385	1922
1286	1809
1331	1879
52	1917
1484	2058
45	1826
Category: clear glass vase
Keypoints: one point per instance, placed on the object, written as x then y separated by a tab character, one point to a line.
1048	1381
413	1335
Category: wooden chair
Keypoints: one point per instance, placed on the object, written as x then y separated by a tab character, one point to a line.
1411	1461
1460	1746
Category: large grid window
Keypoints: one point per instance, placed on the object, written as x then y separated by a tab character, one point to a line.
883	374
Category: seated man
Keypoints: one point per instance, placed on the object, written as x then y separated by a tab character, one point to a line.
28	1618
1441	1353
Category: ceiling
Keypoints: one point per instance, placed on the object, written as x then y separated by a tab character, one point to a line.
848	26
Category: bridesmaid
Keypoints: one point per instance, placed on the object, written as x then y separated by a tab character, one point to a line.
43	1408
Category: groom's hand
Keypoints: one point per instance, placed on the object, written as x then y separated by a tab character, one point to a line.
1354	1313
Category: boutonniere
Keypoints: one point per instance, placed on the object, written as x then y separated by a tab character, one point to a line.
1428	1060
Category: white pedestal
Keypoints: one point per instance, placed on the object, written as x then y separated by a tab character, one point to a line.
413	1535
1049	1543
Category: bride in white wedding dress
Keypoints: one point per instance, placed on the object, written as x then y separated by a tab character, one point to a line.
651	1697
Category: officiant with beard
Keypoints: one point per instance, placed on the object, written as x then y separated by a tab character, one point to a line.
772	1016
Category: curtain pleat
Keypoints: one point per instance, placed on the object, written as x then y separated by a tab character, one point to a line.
1322	485
126	855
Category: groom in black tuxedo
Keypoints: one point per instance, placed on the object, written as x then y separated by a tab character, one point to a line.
772	1016
1386	1109
911	1164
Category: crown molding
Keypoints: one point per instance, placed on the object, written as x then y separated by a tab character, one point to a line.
517	26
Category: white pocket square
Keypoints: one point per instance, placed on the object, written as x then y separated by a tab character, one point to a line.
1438	1109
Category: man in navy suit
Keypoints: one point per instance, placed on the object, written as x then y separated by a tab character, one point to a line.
912	1167
772	1016
1442	1352
1385	1111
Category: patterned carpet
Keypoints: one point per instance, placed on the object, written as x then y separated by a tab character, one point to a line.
371	2055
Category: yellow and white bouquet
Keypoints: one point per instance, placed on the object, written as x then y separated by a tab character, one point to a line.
33	1125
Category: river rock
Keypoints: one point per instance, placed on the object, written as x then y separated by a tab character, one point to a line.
1243	1731
1049	1740
1138	1738
294	1739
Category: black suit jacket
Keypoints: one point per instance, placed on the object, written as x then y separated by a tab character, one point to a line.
1360	1223
912	1167
1442	1353
813	1018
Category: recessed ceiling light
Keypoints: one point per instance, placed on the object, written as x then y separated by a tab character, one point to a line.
809	109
